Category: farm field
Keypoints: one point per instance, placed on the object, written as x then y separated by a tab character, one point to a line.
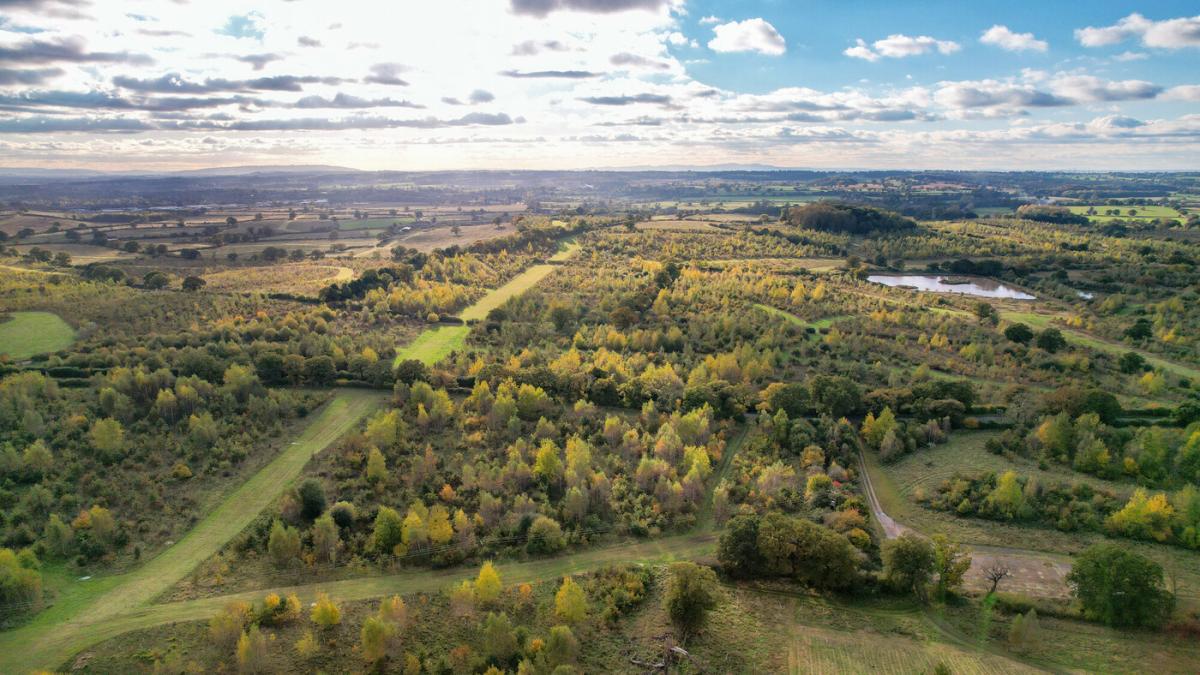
26	334
1138	212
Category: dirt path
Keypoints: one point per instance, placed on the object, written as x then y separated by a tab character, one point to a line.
1035	574
59	632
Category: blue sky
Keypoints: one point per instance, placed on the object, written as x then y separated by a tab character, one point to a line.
600	83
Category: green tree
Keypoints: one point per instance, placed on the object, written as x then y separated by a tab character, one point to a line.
376	637
1119	587
737	550
1051	340
283	544
312	498
544	536
499	639
252	651
107	438
389	530
325	612
376	466
908	563
326	539
1019	333
951	563
691	592
836	396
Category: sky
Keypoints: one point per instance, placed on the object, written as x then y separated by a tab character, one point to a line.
574	84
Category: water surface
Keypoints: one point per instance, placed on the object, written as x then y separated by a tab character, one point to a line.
941	283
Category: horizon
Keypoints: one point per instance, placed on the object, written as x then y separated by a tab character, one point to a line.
602	84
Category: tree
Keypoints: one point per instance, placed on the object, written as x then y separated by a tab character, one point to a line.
107	438
376	638
252	651
283	544
951	562
191	283
691	593
570	603
836	396
376	466
325	612
488	585
1019	333
807	552
561	647
908	563
498	637
389	531
995	574
737	550
1119	587
326	539
312	498
544	536
1051	340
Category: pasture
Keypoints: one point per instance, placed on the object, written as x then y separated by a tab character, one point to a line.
26	334
297	278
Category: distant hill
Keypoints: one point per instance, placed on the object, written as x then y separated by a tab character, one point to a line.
9	174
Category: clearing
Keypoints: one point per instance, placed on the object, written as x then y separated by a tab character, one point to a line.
27	334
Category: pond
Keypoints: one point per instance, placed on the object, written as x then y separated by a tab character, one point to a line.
938	283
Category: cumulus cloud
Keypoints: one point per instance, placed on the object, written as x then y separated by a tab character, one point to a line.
1061	90
387	73
657	99
35	76
550	74
1002	37
534	47
898	46
635	61
65	50
306	41
1184	92
258	60
751	35
174	83
1166	34
541	8
347	101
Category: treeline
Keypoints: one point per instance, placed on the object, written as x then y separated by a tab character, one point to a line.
847	218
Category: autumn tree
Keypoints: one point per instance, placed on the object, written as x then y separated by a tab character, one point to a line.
570	603
908	563
691	593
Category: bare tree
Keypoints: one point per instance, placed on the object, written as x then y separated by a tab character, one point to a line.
995	574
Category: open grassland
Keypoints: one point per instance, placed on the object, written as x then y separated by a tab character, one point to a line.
1140	212
299	279
26	334
434	344
84	617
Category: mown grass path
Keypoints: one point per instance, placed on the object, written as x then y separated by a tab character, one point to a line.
62	630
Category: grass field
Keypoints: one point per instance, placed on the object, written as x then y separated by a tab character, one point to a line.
297	278
677	226
27	334
88	611
1142	212
1041	321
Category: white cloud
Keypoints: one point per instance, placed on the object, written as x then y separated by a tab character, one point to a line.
710	19
1184	92
751	35
1125	57
861	50
1166	34
680	40
898	46
1002	37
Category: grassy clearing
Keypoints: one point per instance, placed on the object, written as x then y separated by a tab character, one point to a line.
1041	321
298	278
27	334
434	344
1040	553
797	321
88	611
1141	212
677	226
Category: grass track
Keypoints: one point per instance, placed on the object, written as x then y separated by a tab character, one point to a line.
67	627
27	334
1042	321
